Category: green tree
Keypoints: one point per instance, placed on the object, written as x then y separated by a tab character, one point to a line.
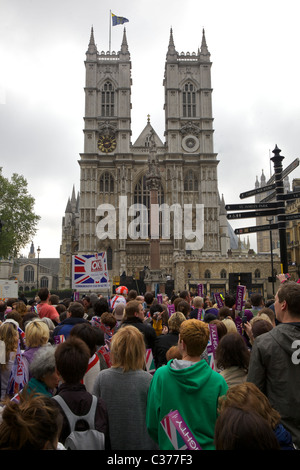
18	220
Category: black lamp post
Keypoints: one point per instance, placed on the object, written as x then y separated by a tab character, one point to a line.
38	266
270	220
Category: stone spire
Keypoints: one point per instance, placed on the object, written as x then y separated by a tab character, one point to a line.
172	53
92	48
124	46
204	52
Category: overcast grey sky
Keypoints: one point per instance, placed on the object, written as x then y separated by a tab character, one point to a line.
255	78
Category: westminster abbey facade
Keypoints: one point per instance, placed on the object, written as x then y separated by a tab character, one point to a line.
112	166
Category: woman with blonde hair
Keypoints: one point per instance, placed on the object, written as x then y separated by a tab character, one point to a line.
124	389
10	336
37	334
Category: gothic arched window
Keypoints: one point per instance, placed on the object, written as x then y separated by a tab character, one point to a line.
223	274
142	196
257	274
190	181
107	100
107	183
189	100
28	274
207	274
44	281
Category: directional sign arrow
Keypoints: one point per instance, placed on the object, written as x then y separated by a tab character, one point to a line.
246	215
255	191
269	197
288	196
255	228
258	205
286	171
291	216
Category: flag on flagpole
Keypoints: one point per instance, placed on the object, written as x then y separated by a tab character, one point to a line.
118	20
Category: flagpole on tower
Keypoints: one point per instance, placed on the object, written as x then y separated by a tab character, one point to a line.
109	31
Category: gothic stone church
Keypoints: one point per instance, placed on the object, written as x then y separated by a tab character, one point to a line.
113	166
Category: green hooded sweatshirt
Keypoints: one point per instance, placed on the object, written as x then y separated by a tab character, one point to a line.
193	391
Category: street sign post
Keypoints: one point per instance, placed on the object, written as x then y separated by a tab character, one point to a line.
255	191
244	207
265	207
255	228
252	214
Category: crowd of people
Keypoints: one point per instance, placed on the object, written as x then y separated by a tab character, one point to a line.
109	373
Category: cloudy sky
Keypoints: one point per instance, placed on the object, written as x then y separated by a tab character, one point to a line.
254	48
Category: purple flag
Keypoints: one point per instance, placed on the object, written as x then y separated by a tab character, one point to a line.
200	290
219	300
240	298
212	344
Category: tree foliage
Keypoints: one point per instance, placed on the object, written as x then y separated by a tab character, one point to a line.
17	217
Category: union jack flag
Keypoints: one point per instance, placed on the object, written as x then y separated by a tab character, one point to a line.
90	271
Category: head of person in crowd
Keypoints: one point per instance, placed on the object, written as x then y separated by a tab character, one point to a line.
44	294
225	312
229	301
118	312
287	301
128	349
20	307
32	424
232	351
28	317
175	321
221	328
193	338
260	327
108	320
149	297
257	300
198	302
87	333
173	353
240	429
75	310
72	359
61	308
185	295
134	309
184	307
43	371
209	317
177	300
3	307
14	315
132	295
269	312
247	396
156	309
54	300
37	333
10	336
122	290
230	325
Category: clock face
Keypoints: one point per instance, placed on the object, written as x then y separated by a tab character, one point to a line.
190	143
107	143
